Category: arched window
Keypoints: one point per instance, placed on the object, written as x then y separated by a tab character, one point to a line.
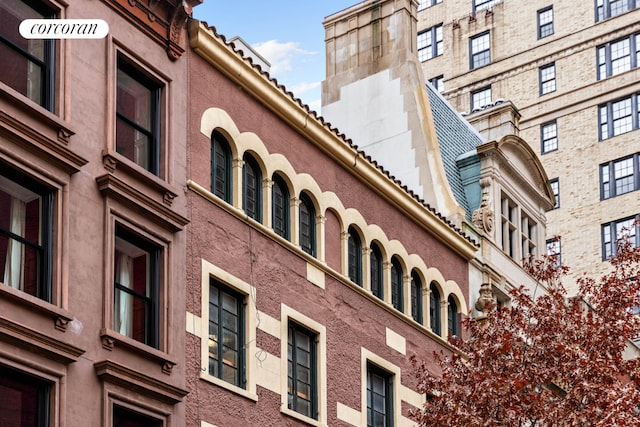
434	308
307	235
252	188
354	256
416	297
397	291
280	207
220	167
376	271
453	317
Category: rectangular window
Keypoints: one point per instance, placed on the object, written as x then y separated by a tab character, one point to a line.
24	400
430	43
226	334
618	117
480	49
438	83
618	56
615	230
138	117
26	234
545	22
620	176
302	371
509	214
555	187
136	287
480	99
528	236
547	76
549	137
427	3
28	64
379	397
554	250
479	5
609	8
123	417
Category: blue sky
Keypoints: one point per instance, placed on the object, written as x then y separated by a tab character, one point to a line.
289	34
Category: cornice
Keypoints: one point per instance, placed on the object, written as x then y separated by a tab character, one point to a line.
307	123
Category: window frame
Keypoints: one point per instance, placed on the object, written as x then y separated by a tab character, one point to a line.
453	318
607	127
354	256
430	43
154	270
279	184
610	229
44	248
543	26
604	56
240	302
438	83
479	94
388	384
416	298
376	271
154	133
545	80
250	164
555	188
424	4
603	12
221	167
608	184
545	143
475	55
128	414
47	65
211	271
479	5
551	245
307	232
44	404
294	326
435	309
397	284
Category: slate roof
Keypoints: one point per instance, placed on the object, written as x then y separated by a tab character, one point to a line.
455	137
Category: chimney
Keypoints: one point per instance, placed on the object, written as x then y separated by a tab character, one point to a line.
375	93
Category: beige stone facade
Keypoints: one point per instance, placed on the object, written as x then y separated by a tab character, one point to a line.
565	62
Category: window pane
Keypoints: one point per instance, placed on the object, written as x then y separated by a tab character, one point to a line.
127	418
23	400
301	371
621	115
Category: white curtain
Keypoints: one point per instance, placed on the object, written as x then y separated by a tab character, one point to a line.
123	310
14	267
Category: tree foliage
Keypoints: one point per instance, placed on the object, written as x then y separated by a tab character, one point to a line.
546	361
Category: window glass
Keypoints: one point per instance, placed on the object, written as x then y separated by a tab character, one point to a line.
620	176
430	43
545	22
252	188
615	230
480	50
549	137
26	221
127	418
307	225
609	8
280	201
220	167
480	99
136	276
28	64
354	257
379	397
376	272
397	278
416	298
138	118
226	334
301	377
453	318
555	188
547	79
479	5
24	400
434	308
438	83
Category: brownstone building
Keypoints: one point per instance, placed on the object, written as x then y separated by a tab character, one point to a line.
92	217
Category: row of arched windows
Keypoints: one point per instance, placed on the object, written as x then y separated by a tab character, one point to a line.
280	206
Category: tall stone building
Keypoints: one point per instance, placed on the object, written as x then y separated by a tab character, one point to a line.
571	70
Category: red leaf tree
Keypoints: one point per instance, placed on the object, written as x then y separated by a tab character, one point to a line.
546	361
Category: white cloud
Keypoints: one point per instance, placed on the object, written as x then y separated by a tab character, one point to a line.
303	87
280	55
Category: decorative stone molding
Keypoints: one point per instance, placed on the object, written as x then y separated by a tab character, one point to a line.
483	216
486	300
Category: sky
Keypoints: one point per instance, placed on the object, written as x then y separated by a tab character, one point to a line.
289	34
